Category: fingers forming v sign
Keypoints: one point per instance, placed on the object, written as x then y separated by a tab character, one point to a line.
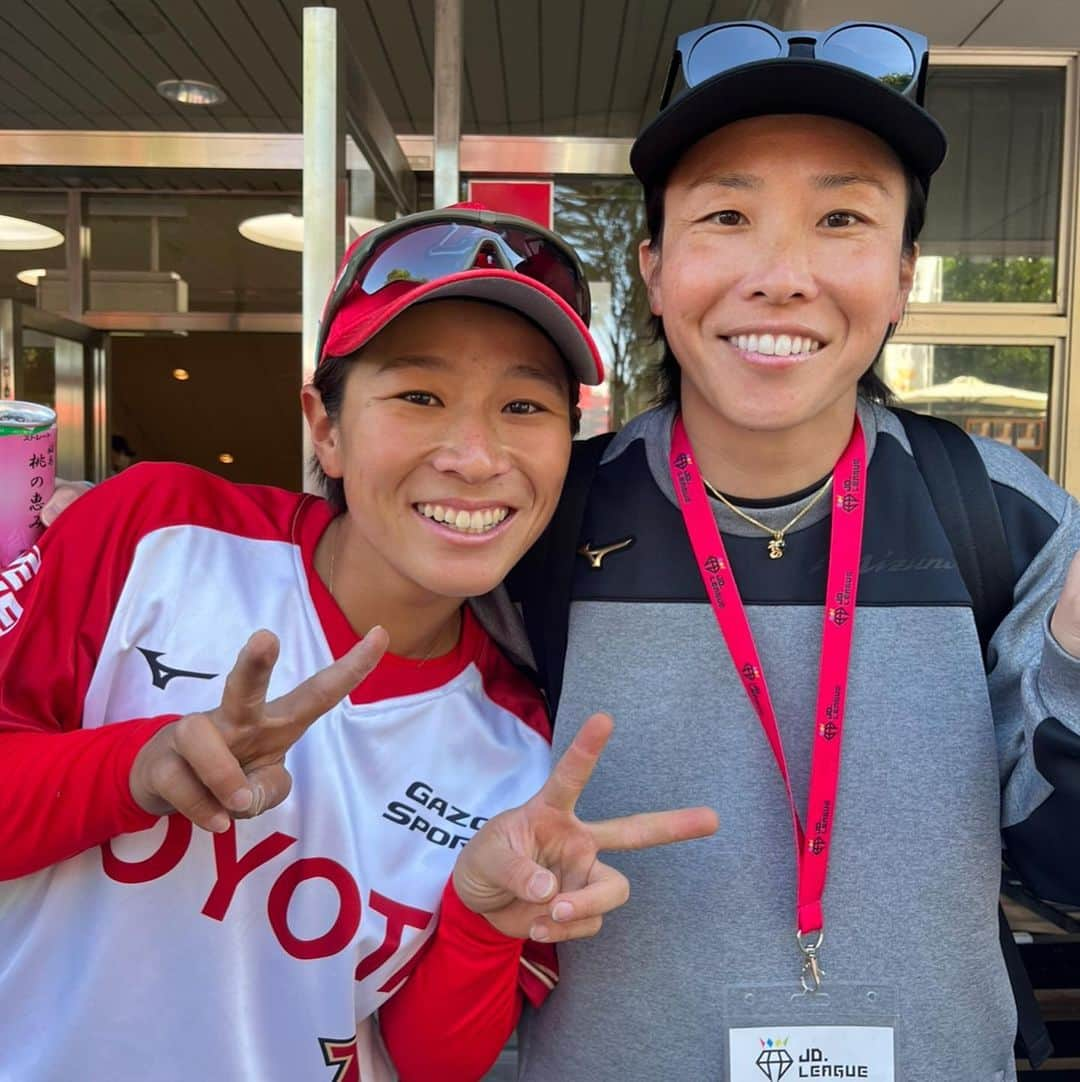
230	761
534	871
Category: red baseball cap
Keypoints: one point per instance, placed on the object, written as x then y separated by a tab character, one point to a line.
362	315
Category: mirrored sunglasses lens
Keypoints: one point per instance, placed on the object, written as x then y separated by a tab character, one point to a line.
436	251
544	262
875	51
729	47
407	257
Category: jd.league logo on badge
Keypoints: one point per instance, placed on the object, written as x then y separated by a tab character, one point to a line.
775	1060
812	1052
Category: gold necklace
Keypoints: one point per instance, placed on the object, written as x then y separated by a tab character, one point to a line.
336	524
776	537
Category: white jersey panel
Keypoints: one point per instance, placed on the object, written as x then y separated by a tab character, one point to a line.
322	899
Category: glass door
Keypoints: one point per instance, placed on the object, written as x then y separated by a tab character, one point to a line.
62	364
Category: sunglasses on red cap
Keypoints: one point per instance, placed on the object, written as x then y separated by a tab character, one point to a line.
892	55
435	244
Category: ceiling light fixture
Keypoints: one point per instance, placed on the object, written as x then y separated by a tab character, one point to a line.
31	277
286	230
225	458
191	92
182	374
22	235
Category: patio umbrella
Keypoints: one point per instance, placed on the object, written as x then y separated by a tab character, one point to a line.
970	391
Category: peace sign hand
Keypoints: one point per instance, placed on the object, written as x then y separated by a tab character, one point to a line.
533	870
230	761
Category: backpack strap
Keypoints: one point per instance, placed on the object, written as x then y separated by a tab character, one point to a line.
963	497
543	580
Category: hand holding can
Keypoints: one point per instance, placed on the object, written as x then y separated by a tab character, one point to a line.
27	474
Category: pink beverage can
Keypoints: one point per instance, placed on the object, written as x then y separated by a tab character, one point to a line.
27	474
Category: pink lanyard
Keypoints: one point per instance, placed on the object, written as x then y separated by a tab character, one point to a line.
845	547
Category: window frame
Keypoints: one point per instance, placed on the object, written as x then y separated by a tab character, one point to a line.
1055	324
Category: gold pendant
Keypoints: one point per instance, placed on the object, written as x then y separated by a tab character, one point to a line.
776	547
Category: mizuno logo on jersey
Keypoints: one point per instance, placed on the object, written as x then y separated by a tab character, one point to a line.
12	579
458	825
162	674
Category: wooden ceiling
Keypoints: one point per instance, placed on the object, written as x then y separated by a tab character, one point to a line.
555	67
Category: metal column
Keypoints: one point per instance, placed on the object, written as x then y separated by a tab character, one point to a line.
325	182
448	78
77	254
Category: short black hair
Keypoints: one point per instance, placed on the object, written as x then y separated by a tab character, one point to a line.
329	381
871	385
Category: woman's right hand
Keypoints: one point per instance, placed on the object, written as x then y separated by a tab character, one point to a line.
534	871
229	762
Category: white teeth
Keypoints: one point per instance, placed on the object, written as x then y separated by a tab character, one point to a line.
465	521
780	345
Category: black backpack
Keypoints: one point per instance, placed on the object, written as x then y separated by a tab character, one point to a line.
963	497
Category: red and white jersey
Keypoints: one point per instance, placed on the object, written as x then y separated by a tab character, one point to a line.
252	954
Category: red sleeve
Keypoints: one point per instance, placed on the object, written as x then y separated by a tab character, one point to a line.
66	789
67	792
458	1008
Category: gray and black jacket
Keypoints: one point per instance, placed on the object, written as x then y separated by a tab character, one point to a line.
939	764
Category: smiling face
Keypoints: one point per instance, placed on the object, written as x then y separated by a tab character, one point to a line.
452	441
779	270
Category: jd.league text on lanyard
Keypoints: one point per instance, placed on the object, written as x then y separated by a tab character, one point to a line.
845	545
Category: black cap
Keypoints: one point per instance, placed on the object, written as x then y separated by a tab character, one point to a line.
788	85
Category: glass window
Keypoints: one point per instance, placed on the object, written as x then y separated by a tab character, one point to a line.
186	254
160	253
995	391
992	224
225	402
36	373
16	279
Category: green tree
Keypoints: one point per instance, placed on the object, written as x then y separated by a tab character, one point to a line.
1027	367
605	222
1017	279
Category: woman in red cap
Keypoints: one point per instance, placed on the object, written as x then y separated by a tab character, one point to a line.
262	945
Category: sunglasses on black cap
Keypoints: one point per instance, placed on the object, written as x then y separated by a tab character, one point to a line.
893	55
435	244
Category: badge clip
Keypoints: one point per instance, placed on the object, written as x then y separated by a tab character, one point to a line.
812	974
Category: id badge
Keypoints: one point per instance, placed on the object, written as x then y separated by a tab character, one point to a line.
777	1035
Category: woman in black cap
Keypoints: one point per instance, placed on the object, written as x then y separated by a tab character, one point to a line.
790	592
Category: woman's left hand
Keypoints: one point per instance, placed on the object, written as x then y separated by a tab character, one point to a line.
64	495
534	871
